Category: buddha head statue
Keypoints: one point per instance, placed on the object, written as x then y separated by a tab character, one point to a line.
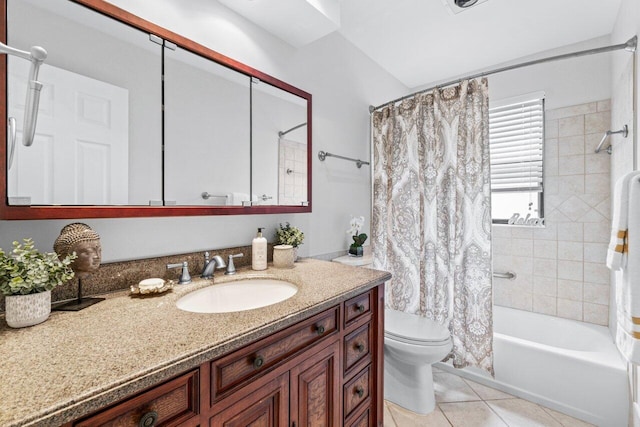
81	239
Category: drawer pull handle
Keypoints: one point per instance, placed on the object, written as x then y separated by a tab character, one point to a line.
359	391
360	308
258	362
360	347
320	329
149	419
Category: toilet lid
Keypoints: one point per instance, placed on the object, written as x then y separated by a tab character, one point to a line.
407	327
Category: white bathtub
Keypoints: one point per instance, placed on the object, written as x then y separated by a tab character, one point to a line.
569	366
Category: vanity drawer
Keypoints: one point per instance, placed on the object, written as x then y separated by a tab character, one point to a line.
170	404
356	392
356	308
357	346
364	420
230	371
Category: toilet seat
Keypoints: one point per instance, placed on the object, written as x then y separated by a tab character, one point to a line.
413	329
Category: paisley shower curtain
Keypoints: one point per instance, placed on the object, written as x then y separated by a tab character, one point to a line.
431	224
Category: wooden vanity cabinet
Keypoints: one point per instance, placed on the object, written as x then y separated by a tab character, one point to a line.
325	370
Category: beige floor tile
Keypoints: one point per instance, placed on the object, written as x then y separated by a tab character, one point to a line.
487	393
388	419
452	388
566	420
522	413
405	418
471	414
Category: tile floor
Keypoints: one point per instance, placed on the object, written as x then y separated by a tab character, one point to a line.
461	403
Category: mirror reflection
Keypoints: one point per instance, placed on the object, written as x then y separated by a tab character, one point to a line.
279	149
113	130
207	132
101	79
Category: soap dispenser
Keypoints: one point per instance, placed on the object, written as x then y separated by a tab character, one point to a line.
259	252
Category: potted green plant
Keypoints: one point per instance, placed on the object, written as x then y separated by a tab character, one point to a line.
27	277
358	238
289	235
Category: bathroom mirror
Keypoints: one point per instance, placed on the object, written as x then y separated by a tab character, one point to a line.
279	149
207	132
114	140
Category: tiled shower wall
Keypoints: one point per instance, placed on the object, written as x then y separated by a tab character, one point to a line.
561	268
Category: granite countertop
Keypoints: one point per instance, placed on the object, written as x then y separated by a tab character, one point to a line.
78	362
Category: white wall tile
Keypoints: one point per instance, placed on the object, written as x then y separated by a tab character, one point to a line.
597	122
547	286
522	246
569	309
595	252
597	183
574	110
570	270
571	184
570	126
548	232
572	251
570	289
597	233
544	304
545	249
595	293
545	267
572	232
604	105
570	145
553	263
571	165
596	273
596	313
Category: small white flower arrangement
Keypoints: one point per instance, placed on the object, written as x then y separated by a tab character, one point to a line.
355	225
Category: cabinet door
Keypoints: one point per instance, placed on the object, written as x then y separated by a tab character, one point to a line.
315	389
257	405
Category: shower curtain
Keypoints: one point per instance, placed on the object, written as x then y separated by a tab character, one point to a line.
431	223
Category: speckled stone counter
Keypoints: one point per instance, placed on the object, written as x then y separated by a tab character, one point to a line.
78	362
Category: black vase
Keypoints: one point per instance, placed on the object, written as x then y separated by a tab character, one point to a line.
355	250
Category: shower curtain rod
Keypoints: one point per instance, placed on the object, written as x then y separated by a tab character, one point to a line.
630	45
284	132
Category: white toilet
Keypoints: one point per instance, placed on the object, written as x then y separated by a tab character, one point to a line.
411	345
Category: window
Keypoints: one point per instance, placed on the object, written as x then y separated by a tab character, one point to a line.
516	133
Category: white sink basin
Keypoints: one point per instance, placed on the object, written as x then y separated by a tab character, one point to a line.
235	296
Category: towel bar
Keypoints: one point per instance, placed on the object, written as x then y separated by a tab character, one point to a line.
506	275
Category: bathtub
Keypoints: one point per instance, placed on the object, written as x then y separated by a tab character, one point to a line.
569	366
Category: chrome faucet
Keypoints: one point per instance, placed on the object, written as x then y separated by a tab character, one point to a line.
231	268
184	275
210	265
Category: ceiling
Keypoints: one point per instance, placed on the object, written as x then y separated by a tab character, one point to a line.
424	41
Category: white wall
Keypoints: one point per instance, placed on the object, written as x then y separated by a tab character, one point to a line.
343	82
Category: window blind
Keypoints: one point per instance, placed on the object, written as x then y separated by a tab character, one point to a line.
515	141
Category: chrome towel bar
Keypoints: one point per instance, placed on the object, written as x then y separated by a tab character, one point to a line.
323	155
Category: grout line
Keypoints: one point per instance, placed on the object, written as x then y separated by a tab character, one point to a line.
444	414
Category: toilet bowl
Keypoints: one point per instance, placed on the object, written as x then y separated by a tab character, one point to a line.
411	345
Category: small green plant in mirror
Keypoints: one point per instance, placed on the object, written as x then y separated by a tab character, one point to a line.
25	270
289	235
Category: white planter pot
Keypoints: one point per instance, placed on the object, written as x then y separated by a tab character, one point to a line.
27	310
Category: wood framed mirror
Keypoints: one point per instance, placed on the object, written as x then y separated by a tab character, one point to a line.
138	121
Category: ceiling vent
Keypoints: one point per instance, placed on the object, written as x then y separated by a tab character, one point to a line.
457	6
